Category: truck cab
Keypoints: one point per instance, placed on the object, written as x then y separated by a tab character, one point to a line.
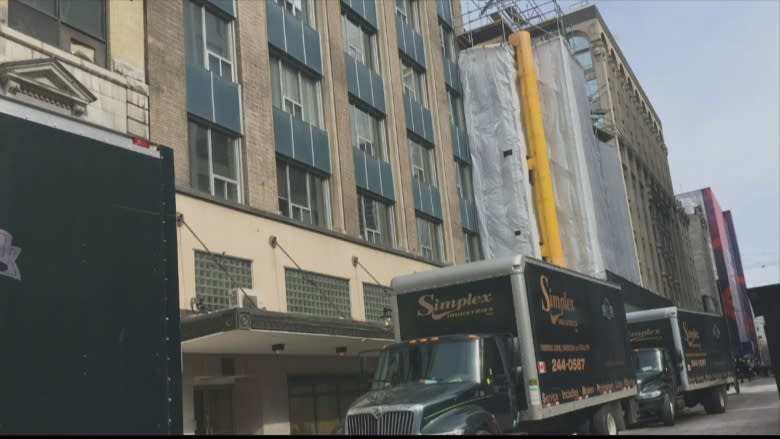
657	382
453	384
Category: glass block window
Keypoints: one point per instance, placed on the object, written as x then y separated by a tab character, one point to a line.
376	299
317	294
213	285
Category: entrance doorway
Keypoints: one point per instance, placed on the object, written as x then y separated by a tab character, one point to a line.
214	410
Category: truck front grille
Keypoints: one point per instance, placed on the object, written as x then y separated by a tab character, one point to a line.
386	423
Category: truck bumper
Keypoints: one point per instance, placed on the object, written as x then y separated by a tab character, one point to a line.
650	408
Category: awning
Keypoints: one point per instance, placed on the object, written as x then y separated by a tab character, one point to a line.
245	331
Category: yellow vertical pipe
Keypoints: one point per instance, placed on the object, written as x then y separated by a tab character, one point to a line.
538	161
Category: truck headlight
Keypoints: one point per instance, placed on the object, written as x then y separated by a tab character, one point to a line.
649	394
456	432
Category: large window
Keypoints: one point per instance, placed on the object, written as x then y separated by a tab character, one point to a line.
215	162
429	238
303	9
303	195
360	44
407	10
217	275
209	39
76	26
317	294
319	403
464	182
447	42
295	92
368	133
376	221
473	246
376	298
414	83
423	166
456	110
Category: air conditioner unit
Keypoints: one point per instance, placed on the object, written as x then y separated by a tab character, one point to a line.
248	298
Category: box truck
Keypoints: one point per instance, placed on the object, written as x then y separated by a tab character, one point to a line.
682	359
505	345
89	308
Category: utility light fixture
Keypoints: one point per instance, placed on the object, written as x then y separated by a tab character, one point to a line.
277	348
387	316
341	351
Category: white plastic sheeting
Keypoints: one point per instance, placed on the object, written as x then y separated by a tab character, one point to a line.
507	225
590	193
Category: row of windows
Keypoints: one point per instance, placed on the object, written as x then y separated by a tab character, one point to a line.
217	276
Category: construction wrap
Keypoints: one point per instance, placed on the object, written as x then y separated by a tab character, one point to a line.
507	224
590	193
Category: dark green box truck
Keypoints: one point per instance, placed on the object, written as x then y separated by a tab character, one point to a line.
500	346
682	359
89	308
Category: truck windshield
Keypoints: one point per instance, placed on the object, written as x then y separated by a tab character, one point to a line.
440	362
648	361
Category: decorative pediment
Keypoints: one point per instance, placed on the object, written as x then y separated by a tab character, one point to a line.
46	81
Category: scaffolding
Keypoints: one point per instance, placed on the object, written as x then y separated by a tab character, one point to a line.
509	16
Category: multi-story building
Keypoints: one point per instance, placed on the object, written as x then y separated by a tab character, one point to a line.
624	113
320	151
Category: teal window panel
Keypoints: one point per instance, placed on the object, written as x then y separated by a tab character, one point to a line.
410	43
302	149
427	120
311	40
374	178
436	203
293	31
199	98
360	168
468	215
386	172
418	119
226	6
427	199
408	112
365	9
369	12
275	20
452	75
321	149
352	75
417	189
444	10
364	83
399	30
283	133
419	48
460	145
378	88
227	104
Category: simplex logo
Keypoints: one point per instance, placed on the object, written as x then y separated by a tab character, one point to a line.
468	305
692	337
8	255
560	303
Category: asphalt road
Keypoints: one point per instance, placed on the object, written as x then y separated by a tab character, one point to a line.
756	410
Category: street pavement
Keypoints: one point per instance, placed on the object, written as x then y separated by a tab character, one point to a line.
756	410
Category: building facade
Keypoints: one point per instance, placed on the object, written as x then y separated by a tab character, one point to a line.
319	152
623	112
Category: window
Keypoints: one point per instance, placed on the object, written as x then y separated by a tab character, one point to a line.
303	9
447	42
360	44
296	92
407	10
430	239
473	246
209	37
368	133
212	283
376	298
422	163
76	26
303	195
464	182
215	162
317	294
414	83
376	221
456	110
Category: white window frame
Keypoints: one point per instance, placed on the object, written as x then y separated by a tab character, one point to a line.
239	165
231	42
378	145
374	236
436	230
372	60
276	63
446	43
426	155
418	81
310	181
410	17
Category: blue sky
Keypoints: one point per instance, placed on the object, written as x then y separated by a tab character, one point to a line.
710	69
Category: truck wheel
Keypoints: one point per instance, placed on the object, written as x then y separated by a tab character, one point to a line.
716	403
667	410
604	423
483	433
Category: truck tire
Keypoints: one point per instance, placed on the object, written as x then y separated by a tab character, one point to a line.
604	422
716	402
483	433
668	410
